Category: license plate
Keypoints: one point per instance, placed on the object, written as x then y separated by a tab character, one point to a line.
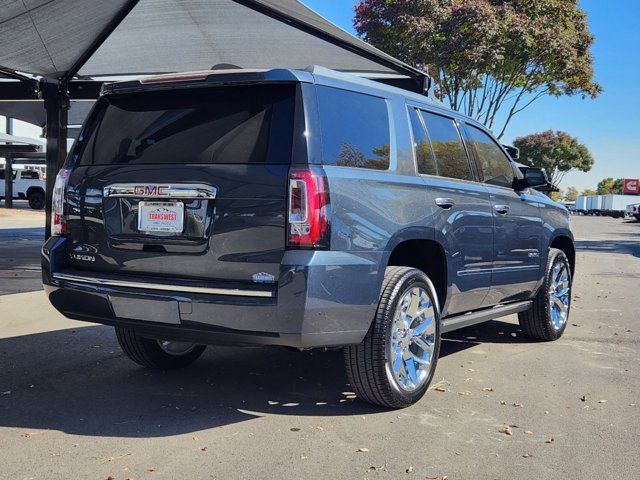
167	217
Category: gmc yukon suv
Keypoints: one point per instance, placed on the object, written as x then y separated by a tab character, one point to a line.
303	209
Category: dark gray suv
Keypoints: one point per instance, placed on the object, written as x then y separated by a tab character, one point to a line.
302	209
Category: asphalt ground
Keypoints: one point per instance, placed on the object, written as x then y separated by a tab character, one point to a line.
73	406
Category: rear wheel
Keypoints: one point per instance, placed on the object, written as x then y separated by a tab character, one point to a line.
36	200
159	354
395	363
547	318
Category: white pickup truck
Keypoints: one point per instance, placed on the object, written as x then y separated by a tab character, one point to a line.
28	184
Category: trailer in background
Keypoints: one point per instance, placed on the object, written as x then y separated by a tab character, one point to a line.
616	205
580	205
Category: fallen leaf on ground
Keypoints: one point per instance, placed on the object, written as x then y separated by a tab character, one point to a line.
409	470
528	432
464	392
551	440
517	404
526	455
295	429
440	389
487	389
204	449
362	450
583	398
602	401
506	431
503	402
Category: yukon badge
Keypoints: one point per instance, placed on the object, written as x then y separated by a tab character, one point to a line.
83	257
263	277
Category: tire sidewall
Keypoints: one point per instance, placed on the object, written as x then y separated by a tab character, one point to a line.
556	255
413	278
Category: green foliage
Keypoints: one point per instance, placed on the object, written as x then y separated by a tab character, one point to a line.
489	56
610	185
571	194
557	152
588	191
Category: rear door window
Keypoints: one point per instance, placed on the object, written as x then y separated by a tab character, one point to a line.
421	146
246	124
495	165
355	129
451	156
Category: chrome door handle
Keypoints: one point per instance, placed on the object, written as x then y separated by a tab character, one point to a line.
502	209
445	203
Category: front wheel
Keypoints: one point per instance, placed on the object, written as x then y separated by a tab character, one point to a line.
547	318
395	363
158	354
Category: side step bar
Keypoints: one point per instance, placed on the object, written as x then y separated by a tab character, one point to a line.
471	318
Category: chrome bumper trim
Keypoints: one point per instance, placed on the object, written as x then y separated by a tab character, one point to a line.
161	286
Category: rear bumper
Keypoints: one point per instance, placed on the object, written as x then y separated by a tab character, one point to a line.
322	299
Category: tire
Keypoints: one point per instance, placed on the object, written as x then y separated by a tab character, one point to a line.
36	200
149	352
540	322
371	364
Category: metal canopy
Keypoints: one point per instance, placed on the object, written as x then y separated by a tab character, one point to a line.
59	48
33	112
58	38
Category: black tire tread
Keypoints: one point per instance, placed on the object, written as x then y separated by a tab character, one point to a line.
146	352
535	322
365	362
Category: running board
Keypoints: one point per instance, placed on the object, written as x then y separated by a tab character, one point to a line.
471	318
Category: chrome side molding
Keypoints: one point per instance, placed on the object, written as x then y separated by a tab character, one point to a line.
160	190
108	282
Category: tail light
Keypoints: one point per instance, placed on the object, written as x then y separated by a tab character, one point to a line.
58	219
308	209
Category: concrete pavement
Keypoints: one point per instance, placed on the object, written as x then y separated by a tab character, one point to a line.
73	406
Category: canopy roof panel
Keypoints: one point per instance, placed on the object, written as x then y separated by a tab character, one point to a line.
52	37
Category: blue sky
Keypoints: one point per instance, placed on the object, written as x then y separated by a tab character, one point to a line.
609	125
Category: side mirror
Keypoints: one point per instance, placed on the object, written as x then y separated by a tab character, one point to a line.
513	152
533	177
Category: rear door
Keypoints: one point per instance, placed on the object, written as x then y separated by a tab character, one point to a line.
462	211
184	184
518	225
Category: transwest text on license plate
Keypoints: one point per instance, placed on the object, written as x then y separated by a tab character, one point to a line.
161	217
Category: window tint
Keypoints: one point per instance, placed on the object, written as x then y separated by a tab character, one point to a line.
447	146
29	174
496	167
355	129
247	124
421	145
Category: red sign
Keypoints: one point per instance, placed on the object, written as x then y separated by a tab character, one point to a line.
631	186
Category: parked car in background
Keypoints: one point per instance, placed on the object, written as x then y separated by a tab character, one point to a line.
302	209
634	211
28	184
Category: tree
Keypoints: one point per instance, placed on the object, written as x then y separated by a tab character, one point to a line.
571	194
588	191
557	152
610	185
489	56
557	196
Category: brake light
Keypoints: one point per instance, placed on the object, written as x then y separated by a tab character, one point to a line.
308	209
58	219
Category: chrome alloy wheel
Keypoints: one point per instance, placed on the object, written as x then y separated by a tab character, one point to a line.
413	335
176	348
559	294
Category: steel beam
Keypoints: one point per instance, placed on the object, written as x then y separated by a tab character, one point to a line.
56	104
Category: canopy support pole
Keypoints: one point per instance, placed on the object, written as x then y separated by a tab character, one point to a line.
8	171
56	105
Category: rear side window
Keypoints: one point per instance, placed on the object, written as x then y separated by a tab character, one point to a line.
355	129
496	167
421	146
30	174
247	124
448	148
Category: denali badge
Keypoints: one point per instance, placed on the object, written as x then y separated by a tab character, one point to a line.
263	277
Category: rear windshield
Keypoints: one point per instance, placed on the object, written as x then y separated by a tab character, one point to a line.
246	124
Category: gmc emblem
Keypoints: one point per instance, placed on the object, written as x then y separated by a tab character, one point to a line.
150	190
